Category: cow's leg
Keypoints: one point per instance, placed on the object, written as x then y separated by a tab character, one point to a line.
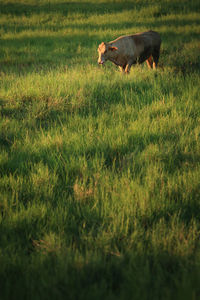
149	62
155	56
128	66
122	69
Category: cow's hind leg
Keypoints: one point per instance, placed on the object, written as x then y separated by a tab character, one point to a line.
149	62
155	56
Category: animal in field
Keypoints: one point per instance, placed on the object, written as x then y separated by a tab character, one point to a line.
128	50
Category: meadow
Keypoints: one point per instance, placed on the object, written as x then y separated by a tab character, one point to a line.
99	171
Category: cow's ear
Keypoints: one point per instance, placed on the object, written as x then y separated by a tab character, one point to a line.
113	48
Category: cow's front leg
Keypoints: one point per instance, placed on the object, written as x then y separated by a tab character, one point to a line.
122	68
128	66
127	69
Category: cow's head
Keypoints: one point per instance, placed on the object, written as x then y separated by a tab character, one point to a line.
104	51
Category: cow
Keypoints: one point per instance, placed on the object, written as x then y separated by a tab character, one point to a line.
131	49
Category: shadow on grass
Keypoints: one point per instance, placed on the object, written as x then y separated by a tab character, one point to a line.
87	8
118	25
185	211
66	8
122	157
137	275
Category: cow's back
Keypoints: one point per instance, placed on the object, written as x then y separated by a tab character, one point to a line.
137	44
149	38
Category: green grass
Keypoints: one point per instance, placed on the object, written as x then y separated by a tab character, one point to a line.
99	172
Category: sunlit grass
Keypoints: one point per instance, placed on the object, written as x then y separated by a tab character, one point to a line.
99	172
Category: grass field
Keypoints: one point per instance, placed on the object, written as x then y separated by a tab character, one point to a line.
99	172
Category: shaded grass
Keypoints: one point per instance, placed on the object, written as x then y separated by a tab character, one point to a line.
99	172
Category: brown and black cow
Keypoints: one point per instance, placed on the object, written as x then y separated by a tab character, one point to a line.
131	49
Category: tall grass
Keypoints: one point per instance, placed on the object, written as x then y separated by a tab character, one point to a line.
99	171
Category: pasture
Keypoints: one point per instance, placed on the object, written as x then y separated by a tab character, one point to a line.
99	172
